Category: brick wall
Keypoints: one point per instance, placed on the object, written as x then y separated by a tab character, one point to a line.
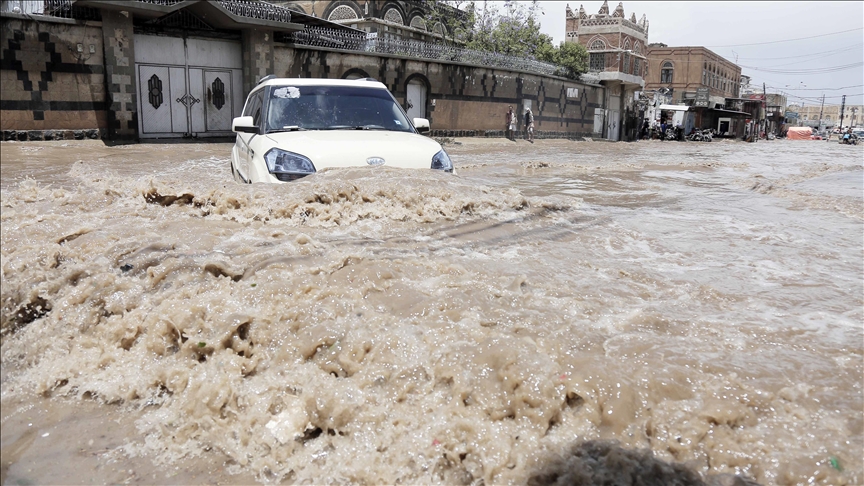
51	80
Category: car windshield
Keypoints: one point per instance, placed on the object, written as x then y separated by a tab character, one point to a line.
333	108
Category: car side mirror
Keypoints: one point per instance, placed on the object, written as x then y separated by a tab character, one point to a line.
245	124
421	124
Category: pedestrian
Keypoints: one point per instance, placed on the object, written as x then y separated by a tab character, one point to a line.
662	130
529	124
643	134
511	123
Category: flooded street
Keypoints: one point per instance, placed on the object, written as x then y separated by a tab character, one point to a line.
162	324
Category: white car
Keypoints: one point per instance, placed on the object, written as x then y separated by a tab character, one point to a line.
291	128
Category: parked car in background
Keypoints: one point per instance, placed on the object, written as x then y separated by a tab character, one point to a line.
291	128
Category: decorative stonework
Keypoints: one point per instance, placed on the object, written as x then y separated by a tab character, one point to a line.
604	9
393	15
418	23
438	28
597	45
342	12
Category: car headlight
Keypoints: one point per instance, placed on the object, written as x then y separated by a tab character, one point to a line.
441	161
288	163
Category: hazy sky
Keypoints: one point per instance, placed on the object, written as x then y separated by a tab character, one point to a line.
804	68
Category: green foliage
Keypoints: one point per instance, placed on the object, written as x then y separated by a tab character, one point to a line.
572	57
510	28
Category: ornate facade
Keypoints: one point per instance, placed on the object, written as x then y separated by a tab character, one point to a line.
390	19
616	49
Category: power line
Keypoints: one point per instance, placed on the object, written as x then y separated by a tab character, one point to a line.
790	40
805	72
831	52
816	89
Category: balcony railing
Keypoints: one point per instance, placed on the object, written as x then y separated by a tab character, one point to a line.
357	41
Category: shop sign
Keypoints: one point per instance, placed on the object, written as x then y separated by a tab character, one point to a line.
701	97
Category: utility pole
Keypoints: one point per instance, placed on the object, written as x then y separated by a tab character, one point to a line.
842	109
765	109
821	109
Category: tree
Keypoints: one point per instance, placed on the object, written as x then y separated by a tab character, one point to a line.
507	27
570	56
513	30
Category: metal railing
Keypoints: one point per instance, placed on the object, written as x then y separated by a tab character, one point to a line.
66	9
257	10
356	41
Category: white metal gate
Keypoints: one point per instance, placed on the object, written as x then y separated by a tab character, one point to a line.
187	87
416	95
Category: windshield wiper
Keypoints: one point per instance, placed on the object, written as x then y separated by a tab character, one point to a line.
356	127
291	128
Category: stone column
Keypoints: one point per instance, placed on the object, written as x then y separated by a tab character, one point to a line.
120	75
257	57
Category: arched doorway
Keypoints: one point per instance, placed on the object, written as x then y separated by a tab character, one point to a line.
415	98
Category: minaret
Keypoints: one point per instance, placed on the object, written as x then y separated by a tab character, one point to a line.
619	11
582	14
633	17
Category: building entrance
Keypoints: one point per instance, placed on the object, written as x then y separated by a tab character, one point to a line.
187	87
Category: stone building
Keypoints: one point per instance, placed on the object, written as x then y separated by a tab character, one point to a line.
711	85
684	70
809	115
616	48
389	19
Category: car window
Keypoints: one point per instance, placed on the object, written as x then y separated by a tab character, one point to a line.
333	108
253	107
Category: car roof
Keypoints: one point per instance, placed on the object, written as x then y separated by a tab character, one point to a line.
359	83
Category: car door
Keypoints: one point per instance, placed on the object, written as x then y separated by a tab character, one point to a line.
244	140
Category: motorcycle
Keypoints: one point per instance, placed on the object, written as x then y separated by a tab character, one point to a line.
849	139
700	136
670	134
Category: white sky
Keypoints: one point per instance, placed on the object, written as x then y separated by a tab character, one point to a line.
749	27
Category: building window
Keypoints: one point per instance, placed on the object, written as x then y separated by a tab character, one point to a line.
597	61
625	63
637	67
666	73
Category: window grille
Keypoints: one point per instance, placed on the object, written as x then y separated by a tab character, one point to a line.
597	61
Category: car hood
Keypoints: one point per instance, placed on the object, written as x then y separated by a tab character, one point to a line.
347	148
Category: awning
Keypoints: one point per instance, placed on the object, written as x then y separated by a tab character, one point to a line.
731	112
674	107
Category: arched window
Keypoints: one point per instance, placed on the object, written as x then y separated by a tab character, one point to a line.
418	23
666	72
438	28
637	48
626	44
342	12
597	45
393	15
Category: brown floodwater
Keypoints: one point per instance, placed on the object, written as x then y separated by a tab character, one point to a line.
550	303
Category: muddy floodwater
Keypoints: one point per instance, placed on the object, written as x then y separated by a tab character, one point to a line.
162	324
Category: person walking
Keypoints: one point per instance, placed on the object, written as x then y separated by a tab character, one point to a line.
529	124
511	123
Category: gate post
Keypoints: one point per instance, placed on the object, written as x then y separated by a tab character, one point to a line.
257	57
119	48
